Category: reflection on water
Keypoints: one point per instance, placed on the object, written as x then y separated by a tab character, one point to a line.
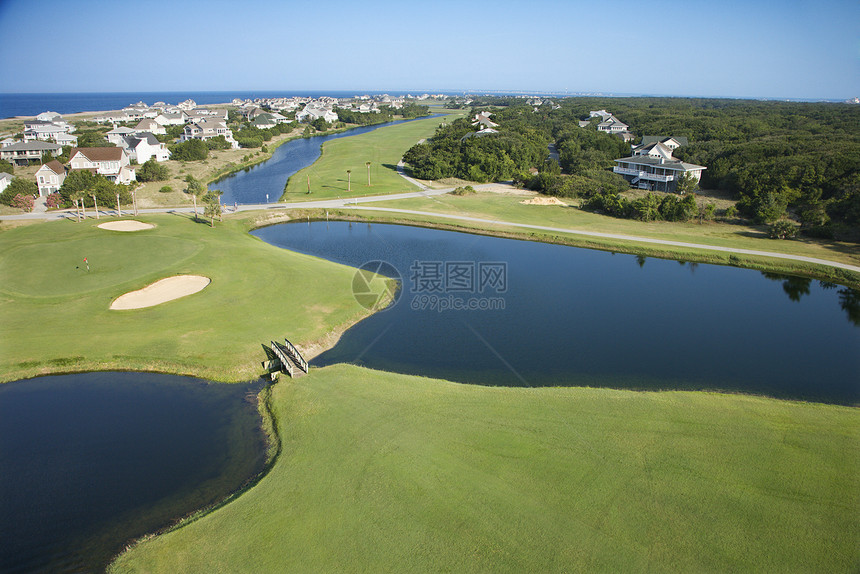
580	317
91	461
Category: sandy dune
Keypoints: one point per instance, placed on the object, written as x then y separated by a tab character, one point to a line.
543	201
126	225
161	291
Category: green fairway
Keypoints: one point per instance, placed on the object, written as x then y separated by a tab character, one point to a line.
391	473
383	148
55	313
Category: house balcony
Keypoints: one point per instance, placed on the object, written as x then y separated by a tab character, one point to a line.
643	174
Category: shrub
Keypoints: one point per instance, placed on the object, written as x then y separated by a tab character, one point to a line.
53	200
782	229
166	189
468	190
24	202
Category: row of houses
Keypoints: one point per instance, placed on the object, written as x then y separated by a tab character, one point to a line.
651	165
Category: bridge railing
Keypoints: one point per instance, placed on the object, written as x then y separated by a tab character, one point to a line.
286	363
295	355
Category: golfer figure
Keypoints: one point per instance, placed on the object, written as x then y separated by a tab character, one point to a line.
87	263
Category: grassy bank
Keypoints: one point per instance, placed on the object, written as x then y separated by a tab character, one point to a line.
495	207
383	147
392	473
55	314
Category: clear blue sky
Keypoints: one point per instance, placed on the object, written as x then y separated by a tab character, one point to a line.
753	48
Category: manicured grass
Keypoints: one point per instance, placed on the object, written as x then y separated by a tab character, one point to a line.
55	314
499	207
383	147
392	473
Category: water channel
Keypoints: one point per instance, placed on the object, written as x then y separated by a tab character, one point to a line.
552	315
264	182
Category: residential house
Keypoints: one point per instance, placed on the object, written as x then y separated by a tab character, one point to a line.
49	117
117	135
612	125
150	126
602	114
313	112
484	120
653	168
22	153
479	133
5	180
111	162
206	114
178	118
207	129
143	146
115	118
268	120
50	177
673	142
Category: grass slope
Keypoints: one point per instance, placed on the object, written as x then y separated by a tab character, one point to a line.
383	147
499	207
55	314
392	473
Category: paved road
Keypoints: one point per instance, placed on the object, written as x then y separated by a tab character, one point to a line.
617	236
357	203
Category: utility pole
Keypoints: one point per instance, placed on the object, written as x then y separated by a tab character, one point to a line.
95	206
118	210
349	180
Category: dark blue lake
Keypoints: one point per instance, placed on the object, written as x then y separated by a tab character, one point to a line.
576	317
265	182
89	462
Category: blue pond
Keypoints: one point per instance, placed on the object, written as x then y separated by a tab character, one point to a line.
577	317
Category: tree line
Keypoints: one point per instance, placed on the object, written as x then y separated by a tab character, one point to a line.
797	161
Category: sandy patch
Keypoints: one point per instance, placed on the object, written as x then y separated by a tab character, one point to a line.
161	291
543	201
126	225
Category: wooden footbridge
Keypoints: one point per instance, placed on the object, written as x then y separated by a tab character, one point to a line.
284	358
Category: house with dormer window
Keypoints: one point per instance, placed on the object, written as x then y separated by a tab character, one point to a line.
111	162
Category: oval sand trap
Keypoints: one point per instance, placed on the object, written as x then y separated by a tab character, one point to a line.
126	225
161	291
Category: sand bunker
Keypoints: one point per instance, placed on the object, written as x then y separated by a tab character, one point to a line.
161	291
543	201
126	225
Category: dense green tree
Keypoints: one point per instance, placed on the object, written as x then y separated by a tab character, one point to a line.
191	150
6	167
83	183
151	170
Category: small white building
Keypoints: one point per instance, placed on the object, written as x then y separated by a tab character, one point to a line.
117	135
50	177
612	125
5	180
143	146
